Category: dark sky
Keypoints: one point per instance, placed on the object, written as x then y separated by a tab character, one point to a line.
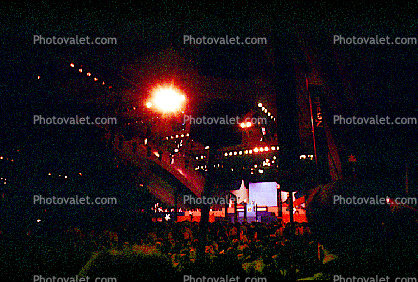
368	80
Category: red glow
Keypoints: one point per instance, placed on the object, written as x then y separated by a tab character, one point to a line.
168	98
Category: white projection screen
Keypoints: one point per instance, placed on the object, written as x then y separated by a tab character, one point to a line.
263	193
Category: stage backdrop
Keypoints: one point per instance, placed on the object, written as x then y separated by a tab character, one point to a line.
263	193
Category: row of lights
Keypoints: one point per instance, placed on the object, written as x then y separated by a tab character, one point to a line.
266	163
158	208
173	210
246	124
65	176
128	109
304	157
80	70
1	158
177	136
255	150
204	167
201	157
264	110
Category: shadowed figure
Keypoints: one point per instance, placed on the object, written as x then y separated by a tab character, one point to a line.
361	239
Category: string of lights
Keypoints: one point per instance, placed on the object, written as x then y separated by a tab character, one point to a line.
88	73
266	111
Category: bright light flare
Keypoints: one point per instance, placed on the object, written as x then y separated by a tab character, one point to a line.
168	99
246	124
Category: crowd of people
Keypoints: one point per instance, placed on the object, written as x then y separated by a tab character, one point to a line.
337	240
274	250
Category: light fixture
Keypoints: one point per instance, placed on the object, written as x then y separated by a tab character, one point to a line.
168	99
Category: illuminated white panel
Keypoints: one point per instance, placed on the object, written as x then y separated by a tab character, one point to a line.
263	193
